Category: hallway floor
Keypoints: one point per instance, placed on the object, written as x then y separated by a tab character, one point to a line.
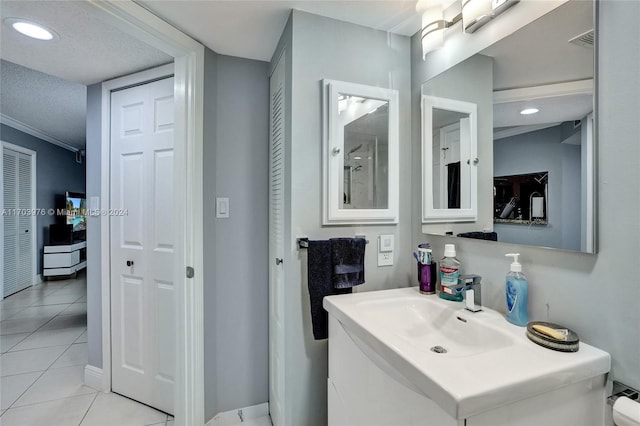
43	340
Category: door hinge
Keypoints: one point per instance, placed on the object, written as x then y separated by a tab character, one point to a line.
190	272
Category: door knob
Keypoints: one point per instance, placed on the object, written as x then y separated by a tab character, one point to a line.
129	262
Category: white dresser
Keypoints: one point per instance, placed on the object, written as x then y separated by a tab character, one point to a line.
64	259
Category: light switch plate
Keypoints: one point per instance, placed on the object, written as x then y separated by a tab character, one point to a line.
222	207
385	250
94	203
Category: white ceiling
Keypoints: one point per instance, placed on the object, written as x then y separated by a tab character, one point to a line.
251	29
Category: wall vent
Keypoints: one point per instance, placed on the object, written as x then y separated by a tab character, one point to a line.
584	39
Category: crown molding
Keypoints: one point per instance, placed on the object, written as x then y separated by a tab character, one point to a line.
25	128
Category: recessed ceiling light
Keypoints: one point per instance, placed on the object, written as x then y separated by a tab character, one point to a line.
529	111
31	29
357	157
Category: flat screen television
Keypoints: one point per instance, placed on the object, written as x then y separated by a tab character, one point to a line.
76	209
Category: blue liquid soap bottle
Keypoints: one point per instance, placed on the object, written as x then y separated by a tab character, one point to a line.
516	293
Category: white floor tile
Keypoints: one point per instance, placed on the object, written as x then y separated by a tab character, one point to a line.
82	338
112	409
66	321
14	386
77	354
45	338
6	313
56	299
45	312
56	383
8	341
29	361
75	309
22	325
62	412
19	300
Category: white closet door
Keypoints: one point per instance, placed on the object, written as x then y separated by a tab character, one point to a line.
18	262
276	243
142	244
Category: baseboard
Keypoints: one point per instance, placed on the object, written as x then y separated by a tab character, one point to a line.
237	417
94	377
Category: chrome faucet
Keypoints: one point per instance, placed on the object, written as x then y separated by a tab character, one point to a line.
472	292
470	285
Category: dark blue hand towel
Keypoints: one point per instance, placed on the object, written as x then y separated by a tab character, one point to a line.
347	258
319	273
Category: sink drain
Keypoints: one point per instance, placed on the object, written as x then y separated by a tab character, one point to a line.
439	350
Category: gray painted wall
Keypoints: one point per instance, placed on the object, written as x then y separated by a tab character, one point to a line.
56	173
542	151
94	256
595	295
236	165
325	48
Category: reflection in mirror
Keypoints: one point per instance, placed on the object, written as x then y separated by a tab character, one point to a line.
552	78
448	130
449	150
360	153
366	141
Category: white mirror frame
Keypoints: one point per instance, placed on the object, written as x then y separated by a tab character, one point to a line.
333	161
429	213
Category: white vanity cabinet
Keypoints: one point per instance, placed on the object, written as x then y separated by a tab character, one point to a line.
375	379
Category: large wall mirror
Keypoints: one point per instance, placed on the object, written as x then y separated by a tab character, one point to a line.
360	154
537	162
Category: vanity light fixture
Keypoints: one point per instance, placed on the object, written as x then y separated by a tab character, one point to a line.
32	29
529	111
433	23
474	14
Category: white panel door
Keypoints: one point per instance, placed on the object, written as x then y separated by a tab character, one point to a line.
18	245
143	318
276	243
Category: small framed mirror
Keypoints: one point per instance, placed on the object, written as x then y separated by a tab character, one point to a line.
360	154
449	158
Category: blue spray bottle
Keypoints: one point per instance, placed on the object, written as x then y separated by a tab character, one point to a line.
516	293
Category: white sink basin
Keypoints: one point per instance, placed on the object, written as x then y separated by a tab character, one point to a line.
488	362
432	326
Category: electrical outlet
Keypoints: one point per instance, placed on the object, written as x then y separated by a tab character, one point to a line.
385	259
385	250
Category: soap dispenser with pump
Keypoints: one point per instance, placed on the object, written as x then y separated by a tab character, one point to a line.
516	289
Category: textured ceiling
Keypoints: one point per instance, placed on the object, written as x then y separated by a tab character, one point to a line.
49	104
251	29
89	50
43	83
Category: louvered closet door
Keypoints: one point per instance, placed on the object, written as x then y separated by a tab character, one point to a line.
276	243
18	266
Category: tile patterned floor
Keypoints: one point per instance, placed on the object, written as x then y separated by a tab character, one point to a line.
43	342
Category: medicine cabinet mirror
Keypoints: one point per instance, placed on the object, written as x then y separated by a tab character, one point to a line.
537	118
449	147
360	154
